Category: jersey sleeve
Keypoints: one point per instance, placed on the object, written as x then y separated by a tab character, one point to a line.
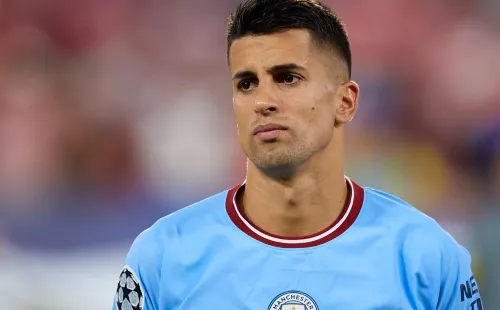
459	289
439	271
138	282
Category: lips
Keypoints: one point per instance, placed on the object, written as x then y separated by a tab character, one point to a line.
268	128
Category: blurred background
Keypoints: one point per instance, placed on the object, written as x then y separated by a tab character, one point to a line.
114	113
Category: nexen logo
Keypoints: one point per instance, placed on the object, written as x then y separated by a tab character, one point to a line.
468	290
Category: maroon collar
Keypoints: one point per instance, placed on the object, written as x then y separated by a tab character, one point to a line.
346	218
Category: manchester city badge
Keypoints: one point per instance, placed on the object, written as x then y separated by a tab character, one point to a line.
293	300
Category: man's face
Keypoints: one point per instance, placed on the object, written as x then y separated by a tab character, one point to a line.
286	81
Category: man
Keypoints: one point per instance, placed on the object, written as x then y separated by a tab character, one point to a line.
297	234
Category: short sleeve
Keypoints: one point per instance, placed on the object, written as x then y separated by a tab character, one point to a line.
459	289
439	271
138	281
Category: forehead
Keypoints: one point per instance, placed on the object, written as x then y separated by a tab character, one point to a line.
290	46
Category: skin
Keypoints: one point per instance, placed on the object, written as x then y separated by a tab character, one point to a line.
295	182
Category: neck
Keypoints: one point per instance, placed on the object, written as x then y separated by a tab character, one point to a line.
302	205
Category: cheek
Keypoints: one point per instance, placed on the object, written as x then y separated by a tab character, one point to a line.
312	114
318	119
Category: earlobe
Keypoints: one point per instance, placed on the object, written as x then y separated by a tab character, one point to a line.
349	93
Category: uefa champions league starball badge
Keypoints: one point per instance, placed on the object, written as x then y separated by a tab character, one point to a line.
129	294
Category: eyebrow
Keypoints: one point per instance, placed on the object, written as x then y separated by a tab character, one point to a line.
278	68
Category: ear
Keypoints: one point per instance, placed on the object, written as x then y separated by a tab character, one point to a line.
349	93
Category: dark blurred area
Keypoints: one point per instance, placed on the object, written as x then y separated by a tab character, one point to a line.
114	113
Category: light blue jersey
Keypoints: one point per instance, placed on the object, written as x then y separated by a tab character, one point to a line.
381	253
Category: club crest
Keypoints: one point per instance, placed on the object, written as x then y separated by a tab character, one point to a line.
293	300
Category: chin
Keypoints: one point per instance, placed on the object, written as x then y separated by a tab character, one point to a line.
277	156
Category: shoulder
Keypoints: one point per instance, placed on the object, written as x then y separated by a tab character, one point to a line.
436	267
415	230
389	204
193	218
148	253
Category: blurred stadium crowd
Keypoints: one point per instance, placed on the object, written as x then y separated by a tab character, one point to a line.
114	113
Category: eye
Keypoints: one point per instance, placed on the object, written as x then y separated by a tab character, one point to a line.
246	85
288	79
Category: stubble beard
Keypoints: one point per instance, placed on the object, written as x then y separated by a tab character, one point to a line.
278	161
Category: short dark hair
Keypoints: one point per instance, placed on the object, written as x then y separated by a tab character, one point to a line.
261	17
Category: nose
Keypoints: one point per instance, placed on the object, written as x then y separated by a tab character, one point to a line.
266	101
